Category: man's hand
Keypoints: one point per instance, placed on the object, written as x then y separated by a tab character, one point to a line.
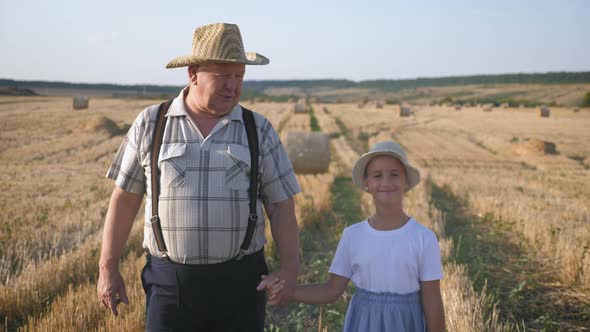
111	289
118	222
285	233
273	286
281	284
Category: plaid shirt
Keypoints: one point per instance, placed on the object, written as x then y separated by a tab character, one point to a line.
203	204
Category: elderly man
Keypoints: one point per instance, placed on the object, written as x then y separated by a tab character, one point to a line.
203	241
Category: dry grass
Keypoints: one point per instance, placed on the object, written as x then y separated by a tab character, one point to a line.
53	197
546	195
78	310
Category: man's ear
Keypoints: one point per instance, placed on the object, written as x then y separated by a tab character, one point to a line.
192	74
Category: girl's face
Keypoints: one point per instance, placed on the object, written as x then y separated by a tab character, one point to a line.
385	179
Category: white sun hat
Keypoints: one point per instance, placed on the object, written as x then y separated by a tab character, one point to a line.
385	148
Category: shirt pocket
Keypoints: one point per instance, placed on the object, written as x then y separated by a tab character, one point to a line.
172	162
237	169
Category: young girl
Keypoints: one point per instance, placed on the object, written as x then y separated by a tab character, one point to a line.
393	261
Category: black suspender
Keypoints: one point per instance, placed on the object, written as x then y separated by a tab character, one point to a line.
252	135
156	144
253	189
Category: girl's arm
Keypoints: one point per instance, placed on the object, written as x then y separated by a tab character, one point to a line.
433	305
323	293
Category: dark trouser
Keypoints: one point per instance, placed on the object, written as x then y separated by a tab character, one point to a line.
215	297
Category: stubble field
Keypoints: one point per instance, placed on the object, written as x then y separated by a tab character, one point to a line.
514	226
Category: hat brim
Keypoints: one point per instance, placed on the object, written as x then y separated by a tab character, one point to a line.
190	60
358	170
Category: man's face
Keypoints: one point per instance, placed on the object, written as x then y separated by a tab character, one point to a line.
218	86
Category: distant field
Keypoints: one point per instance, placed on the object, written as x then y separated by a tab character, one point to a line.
514	229
570	95
557	89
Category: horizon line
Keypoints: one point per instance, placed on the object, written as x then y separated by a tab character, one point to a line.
310	79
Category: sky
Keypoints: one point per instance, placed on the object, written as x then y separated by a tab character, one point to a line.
130	41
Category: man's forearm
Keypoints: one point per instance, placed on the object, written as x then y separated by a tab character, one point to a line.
123	208
287	241
285	233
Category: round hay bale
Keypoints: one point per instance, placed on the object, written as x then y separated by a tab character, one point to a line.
544	112
99	124
309	152
533	147
299	108
80	102
405	110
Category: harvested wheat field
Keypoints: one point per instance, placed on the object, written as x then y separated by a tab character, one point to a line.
507	192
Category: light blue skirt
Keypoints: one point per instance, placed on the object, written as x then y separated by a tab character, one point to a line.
371	311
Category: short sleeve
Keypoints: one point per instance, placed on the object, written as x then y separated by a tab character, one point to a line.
278	181
126	168
341	264
430	262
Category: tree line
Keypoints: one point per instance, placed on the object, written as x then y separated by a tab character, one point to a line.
256	89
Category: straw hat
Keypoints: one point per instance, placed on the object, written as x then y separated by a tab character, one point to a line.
386	148
218	43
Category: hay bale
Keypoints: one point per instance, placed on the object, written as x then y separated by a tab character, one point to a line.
99	124
405	110
544	111
533	147
299	108
80	102
309	152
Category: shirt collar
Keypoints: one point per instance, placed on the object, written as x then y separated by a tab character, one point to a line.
177	108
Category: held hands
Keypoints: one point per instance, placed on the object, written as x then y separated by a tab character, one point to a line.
111	290
273	285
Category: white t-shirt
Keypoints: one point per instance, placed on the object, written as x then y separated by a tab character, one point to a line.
388	261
